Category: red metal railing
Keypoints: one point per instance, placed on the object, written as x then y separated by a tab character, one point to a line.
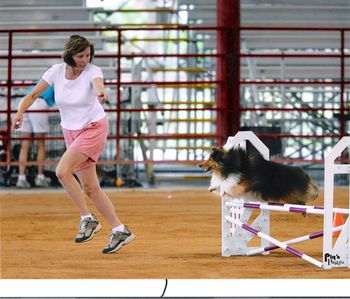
341	82
342	55
6	134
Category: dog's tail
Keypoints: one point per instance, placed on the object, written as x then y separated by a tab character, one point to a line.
312	191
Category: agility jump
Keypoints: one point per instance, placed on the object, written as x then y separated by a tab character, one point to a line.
236	213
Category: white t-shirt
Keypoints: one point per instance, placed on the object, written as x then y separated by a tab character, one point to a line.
75	99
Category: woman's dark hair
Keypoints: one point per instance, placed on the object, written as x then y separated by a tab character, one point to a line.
76	44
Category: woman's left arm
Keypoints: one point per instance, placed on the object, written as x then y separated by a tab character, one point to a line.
99	90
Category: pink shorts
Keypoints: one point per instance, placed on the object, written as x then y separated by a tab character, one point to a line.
89	141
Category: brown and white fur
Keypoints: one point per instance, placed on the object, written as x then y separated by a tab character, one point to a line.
240	174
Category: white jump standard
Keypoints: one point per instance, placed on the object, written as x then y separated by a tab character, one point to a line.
236	233
276	242
292	241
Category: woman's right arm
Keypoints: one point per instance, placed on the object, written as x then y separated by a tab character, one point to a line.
27	101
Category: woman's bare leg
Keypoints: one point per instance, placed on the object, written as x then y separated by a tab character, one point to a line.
41	152
91	185
23	153
64	173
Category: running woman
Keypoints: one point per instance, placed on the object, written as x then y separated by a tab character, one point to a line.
79	95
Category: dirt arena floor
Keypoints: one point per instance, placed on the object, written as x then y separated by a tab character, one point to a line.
178	235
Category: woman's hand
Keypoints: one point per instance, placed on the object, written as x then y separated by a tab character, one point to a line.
102	96
17	121
100	90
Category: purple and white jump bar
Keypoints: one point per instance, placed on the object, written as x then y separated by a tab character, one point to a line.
285	207
292	241
276	242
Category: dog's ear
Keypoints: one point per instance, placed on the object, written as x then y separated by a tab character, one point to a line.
217	149
216	153
214	150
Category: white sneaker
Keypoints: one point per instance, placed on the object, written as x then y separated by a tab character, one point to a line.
23	184
87	229
118	239
39	182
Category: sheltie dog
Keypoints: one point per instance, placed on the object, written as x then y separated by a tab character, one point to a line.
242	174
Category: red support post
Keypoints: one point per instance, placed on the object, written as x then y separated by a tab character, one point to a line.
342	84
119	105
9	96
228	68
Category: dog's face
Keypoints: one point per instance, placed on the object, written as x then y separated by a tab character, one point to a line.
214	161
225	163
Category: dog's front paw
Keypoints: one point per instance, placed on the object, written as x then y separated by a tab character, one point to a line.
213	188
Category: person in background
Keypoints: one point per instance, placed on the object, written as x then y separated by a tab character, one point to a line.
36	123
79	95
